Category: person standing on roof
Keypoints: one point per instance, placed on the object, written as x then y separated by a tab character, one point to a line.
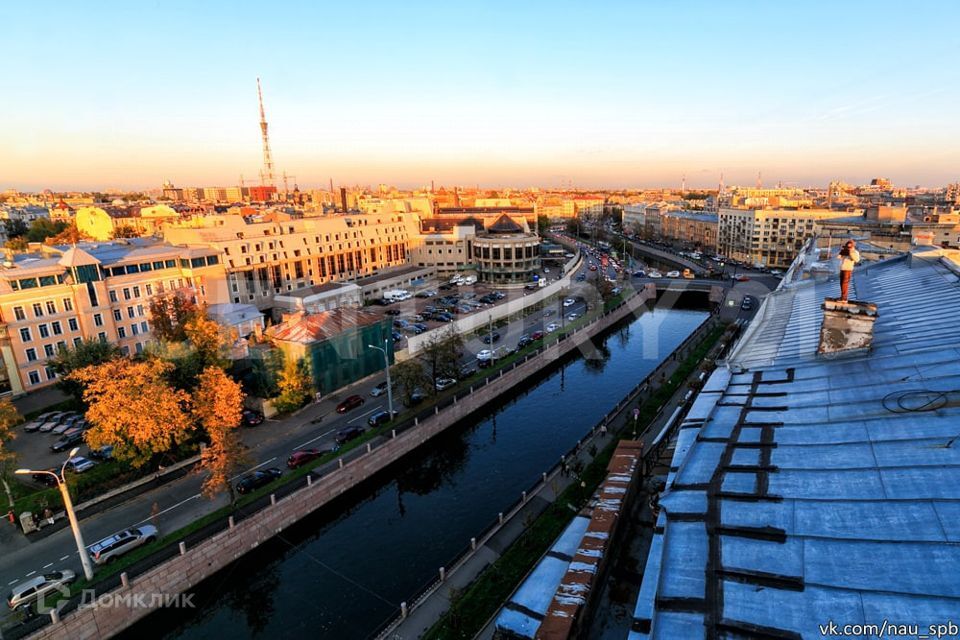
849	257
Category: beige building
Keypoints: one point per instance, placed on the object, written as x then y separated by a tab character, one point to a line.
58	297
771	237
698	229
264	259
507	253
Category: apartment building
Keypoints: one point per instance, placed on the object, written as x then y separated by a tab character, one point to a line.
267	258
58	297
771	237
698	229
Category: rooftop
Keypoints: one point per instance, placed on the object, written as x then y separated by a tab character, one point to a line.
316	327
805	490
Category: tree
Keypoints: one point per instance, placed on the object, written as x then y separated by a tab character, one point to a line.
9	417
441	355
206	337
169	315
70	234
18	243
15	227
126	231
407	377
133	408
295	386
217	407
543	224
89	352
43	228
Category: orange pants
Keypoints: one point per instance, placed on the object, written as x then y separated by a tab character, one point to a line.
845	284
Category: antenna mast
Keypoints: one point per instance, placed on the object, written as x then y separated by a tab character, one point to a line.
266	176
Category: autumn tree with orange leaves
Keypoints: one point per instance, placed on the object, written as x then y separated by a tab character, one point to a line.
217	404
133	408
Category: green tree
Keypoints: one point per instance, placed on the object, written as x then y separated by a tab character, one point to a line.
70	234
407	377
17	244
295	386
543	224
441	356
43	228
9	417
87	353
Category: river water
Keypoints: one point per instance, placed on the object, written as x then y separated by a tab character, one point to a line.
342	572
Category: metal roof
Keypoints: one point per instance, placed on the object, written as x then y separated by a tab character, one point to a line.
806	490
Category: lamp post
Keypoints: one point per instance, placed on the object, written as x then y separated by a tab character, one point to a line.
386	365
71	515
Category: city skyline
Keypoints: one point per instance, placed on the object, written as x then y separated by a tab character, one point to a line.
546	95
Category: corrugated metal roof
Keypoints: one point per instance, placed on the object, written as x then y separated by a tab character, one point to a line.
805	490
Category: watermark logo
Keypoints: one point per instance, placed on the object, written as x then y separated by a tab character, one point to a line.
53	600
90	600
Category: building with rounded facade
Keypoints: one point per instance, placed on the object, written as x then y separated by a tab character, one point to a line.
507	253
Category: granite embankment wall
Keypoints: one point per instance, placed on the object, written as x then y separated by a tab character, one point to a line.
146	592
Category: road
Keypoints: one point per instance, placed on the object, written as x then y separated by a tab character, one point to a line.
179	502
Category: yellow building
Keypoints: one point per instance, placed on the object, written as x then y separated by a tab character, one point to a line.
102	224
771	237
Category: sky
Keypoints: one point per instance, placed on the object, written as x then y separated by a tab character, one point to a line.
584	94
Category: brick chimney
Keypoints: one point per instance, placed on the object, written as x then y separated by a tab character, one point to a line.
847	327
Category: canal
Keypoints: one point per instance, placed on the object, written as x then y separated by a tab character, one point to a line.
340	573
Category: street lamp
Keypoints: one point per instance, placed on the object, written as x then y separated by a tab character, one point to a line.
68	505
386	365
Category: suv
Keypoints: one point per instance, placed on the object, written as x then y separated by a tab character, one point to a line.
38	588
114	546
347	434
379	418
351	402
257	479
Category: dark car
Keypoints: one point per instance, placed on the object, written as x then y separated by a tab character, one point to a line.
397	336
416	397
251	417
536	335
466	371
392	312
747	303
491	338
524	341
303	456
347	434
46	478
257	479
102	454
379	418
349	404
67	440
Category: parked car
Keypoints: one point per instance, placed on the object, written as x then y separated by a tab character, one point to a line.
303	456
251	417
352	402
466	371
445	383
79	464
654	274
484	354
39	421
380	418
67	440
347	434
673	274
536	335
569	302
46	478
379	390
553	326
524	341
66	424
102	453
52	421
36	589
257	479
490	338
574	316
416	397
112	547
392	312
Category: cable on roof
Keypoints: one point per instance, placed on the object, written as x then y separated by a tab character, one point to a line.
915	400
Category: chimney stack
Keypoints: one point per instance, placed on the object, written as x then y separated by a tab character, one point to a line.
847	327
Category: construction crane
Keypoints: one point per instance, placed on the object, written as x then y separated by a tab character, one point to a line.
266	176
286	184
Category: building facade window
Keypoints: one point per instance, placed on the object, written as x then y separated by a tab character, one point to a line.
97	320
72	323
67	304
25	334
34	377
19	314
31	355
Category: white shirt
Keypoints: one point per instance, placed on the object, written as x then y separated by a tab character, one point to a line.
847	262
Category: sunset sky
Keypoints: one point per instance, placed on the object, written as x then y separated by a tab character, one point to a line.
501	94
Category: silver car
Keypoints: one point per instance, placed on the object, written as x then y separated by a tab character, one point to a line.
112	547
36	589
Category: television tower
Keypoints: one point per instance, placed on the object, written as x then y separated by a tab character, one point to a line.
266	176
